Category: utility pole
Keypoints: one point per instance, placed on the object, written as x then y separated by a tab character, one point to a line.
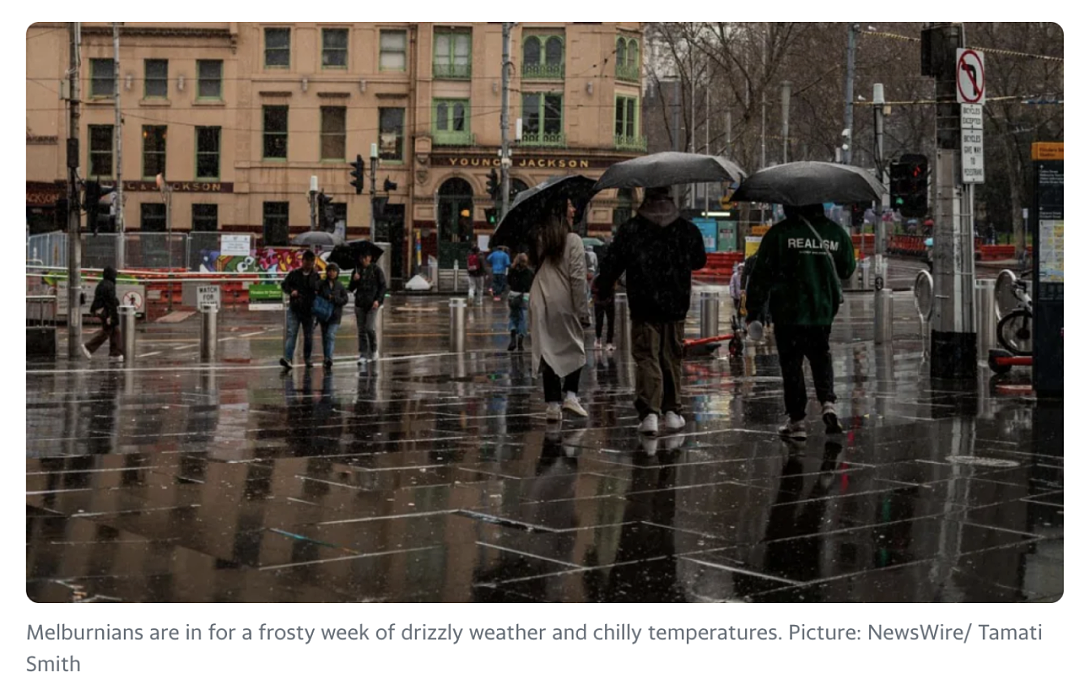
313	190
118	138
849	95
374	164
504	120
727	132
880	265
764	55
785	112
74	248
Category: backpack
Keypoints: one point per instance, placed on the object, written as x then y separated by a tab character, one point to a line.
473	263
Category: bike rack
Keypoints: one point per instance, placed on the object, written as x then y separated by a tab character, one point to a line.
1002	361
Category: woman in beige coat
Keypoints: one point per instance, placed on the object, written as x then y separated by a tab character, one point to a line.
558	312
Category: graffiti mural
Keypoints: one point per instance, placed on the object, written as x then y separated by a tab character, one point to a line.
269	261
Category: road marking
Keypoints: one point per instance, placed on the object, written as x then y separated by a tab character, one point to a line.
143	356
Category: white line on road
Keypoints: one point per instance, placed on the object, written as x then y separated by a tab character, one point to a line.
143	356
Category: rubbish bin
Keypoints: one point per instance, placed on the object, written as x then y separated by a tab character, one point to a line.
208	332
986	315
127	331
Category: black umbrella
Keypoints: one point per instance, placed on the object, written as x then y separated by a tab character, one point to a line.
316	238
348	256
670	168
807	183
526	211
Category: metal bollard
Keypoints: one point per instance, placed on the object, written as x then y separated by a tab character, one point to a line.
379	343
883	316
208	332
622	317
127	330
866	274
457	325
455	276
710	314
986	315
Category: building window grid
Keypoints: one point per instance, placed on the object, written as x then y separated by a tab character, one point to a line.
335	48
275	132
391	134
155	78
154	140
102	78
275	223
152	217
627	125
452	126
543	57
204	217
542	120
101	150
453	54
210	74
392	51
627	59
278	47
332	133
207	153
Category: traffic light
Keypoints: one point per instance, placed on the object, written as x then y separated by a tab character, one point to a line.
858	216
908	184
493	184
389	186
492	215
93	193
326	211
357	174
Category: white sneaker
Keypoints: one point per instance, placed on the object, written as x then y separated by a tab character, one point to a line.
598	345
573	405
86	352
375	355
673	421
650	446
794	430
649	425
362	360
610	347
554	412
119	358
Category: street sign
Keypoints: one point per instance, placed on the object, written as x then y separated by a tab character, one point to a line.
971	116
235	245
970	77
971	156
209	295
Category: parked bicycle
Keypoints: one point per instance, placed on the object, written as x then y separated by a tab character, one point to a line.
1014	329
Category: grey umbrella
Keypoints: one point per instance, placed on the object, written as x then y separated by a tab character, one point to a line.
317	239
806	183
669	168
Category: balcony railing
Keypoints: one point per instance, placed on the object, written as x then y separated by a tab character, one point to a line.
543	71
544	140
451	138
630	143
453	71
627	73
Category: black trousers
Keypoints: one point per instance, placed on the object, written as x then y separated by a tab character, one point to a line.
554	387
793	343
601	310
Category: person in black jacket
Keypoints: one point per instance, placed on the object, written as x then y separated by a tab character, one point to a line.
106	307
368	284
301	285
658	251
331	289
519	280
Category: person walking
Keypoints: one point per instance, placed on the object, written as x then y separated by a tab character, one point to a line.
557	310
800	265
519	279
331	289
368	285
474	263
107	308
603	309
658	250
500	263
301	285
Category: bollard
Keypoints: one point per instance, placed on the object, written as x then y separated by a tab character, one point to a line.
710	314
127	330
622	317
986	315
883	316
455	276
208	332
379	343
866	275
457	325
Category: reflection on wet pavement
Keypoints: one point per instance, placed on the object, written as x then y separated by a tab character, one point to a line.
433	477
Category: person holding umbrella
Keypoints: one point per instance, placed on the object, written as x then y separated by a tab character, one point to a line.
301	285
368	285
658	250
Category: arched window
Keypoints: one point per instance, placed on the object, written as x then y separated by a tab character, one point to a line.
441	117
632	54
553	52
459	117
531	51
620	52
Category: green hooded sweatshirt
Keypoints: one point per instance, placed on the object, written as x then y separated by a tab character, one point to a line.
793	273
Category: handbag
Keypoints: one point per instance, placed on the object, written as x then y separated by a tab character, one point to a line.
832	263
518	300
322	309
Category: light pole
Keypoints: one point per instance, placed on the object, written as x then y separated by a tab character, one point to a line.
374	159
166	196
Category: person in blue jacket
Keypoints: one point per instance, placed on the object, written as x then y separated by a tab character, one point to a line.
500	262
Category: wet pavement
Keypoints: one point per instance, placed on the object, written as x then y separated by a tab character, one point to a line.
430	476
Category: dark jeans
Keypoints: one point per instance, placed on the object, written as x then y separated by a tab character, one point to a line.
110	333
498	283
657	349
294	323
601	310
365	330
793	343
553	387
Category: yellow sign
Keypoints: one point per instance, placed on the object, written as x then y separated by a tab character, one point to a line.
759	230
752	246
1053	150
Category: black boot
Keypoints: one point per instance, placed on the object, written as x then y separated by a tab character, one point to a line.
521	342
513	341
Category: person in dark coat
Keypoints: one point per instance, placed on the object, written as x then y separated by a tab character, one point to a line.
658	251
519	280
368	285
106	307
603	306
331	289
301	285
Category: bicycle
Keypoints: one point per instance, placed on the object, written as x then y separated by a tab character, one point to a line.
1014	329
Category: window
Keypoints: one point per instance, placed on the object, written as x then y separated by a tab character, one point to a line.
275	132
207	152
204	217
275	223
156	79
452	54
452	123
152	217
101	151
153	151
392	51
391	130
335	47
542	57
332	134
542	120
102	79
626	59
277	47
626	124
210	74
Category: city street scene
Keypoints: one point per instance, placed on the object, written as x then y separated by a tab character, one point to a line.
545	312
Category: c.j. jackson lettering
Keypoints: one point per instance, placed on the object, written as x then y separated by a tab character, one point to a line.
69	664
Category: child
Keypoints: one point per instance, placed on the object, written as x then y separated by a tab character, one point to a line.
519	280
604	307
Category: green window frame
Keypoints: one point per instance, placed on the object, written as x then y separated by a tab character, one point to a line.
332	133
102	78
204	217
101	150
543	56
542	119
210	74
208	153
156	79
277	47
392	47
391	134
154	140
627	59
452	54
451	124
275	223
628	124
335	48
275	132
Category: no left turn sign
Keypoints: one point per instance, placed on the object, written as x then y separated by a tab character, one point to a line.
970	76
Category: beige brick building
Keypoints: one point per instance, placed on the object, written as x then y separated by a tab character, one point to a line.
239	117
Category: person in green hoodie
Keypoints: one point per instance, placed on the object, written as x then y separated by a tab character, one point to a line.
800	264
